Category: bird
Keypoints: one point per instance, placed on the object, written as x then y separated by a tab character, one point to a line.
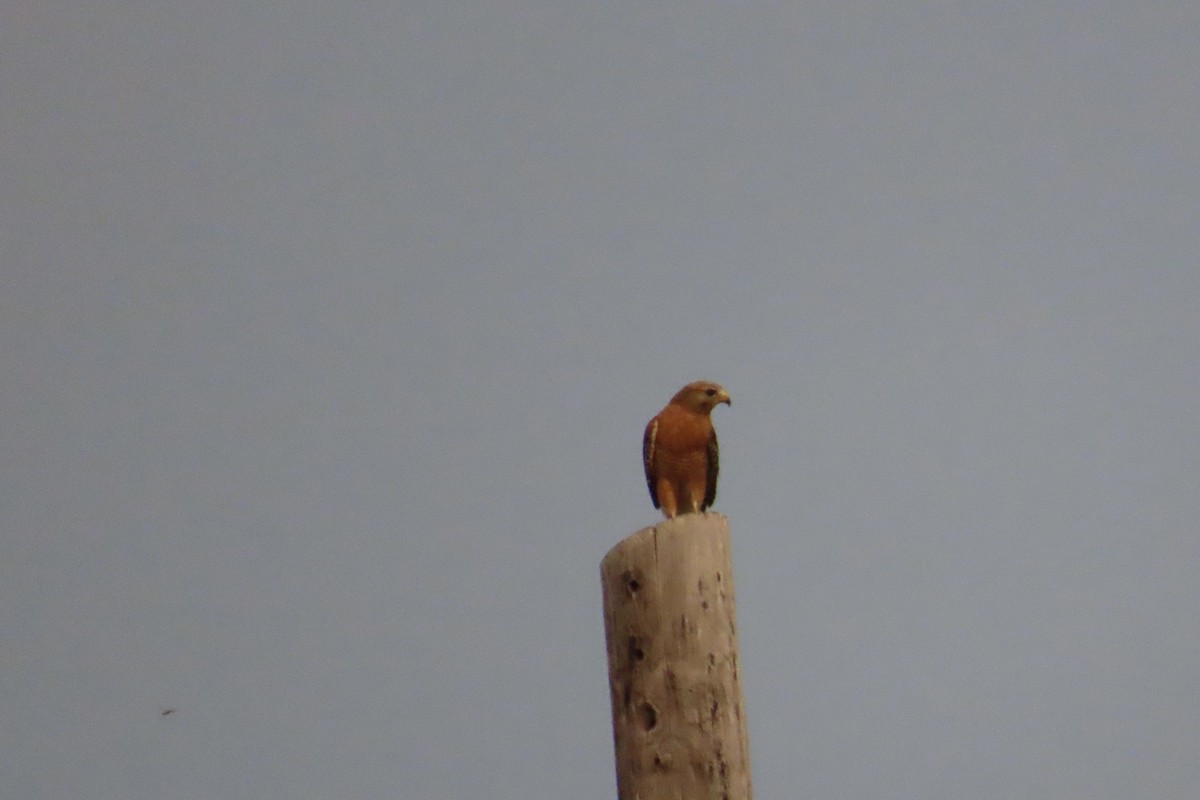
679	450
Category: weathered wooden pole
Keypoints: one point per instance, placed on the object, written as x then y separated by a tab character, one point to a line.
678	720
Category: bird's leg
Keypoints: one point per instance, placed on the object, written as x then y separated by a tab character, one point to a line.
666	499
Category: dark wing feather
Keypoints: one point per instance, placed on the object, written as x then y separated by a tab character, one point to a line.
710	485
648	441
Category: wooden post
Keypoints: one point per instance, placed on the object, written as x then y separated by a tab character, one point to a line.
678	721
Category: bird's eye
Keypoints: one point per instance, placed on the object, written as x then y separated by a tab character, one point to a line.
711	392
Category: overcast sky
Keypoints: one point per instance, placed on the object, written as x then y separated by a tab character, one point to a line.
328	332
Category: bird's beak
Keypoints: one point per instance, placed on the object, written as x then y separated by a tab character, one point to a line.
724	398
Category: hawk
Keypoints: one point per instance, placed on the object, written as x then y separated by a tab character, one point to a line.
679	450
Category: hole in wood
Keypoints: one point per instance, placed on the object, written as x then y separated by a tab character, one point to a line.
636	653
632	584
647	716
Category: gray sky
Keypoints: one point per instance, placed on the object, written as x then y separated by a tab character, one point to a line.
328	333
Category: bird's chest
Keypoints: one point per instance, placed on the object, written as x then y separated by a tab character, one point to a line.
682	440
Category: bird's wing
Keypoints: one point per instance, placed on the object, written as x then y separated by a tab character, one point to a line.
710	485
648	442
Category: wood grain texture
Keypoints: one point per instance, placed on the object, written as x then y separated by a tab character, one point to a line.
679	726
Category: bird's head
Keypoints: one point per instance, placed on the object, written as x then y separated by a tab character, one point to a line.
702	396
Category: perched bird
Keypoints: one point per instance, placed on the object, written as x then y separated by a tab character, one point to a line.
679	450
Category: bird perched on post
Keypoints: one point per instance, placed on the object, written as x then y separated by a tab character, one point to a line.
680	453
